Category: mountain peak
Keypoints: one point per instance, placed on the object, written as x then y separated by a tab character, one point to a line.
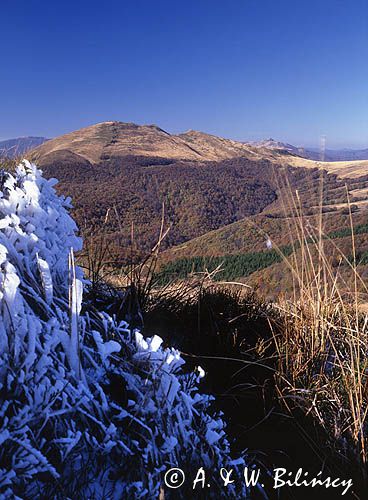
113	139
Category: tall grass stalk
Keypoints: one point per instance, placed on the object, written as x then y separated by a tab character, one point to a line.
322	345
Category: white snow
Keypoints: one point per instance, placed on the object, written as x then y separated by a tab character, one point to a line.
46	277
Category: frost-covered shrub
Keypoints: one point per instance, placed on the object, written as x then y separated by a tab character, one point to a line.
88	409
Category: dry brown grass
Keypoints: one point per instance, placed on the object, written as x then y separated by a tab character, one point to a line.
344	169
322	343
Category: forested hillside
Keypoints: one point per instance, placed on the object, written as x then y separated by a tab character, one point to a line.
197	197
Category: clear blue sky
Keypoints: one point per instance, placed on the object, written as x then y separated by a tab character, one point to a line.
245	69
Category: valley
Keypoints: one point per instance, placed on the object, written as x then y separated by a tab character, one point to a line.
220	199
134	171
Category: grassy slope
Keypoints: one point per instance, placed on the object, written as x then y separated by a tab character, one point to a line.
250	234
344	169
257	266
277	278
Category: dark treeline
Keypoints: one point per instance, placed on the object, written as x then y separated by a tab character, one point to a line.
230	266
342	233
241	265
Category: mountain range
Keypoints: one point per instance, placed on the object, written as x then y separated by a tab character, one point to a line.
212	191
205	182
190	145
113	139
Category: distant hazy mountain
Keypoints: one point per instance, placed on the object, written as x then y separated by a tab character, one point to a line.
345	154
12	148
272	144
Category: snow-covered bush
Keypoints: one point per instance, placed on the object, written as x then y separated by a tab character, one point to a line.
88	409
